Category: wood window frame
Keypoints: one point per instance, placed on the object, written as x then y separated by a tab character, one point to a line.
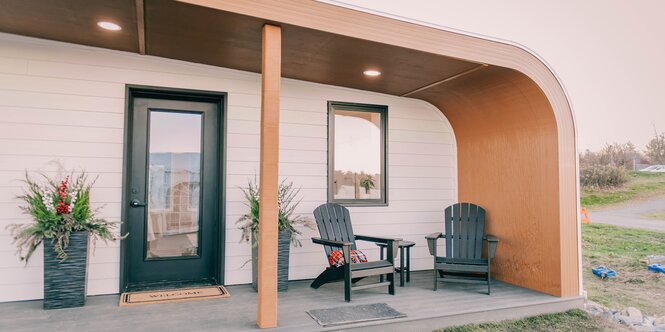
357	107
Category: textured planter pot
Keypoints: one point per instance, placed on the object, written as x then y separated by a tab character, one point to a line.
64	283
283	248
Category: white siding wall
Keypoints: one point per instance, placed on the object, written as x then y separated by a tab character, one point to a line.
67	102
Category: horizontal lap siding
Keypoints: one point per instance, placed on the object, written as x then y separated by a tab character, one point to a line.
65	102
421	168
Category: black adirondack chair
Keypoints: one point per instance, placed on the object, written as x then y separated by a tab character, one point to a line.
464	234
334	223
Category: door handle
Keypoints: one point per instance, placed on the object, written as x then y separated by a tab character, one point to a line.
136	203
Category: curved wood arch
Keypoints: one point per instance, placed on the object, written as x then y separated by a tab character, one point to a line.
514	129
507	162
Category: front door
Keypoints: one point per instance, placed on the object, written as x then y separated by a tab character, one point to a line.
173	193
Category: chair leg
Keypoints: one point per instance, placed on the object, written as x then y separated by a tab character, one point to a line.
328	275
320	280
408	264
489	281
401	267
347	283
381	258
391	279
347	291
435	275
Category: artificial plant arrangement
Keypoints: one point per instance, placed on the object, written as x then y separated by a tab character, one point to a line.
286	200
287	222
58	209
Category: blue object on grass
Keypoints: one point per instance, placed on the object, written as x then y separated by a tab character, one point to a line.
656	268
604	272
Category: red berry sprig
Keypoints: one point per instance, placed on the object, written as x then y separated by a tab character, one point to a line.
62	207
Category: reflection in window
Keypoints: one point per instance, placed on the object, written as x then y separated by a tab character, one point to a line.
174	180
357	153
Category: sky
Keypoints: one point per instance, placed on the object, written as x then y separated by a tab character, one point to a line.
609	54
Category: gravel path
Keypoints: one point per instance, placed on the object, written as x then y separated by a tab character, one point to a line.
632	215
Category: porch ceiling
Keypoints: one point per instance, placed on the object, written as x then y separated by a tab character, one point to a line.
191	33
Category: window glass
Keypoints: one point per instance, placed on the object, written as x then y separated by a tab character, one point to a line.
358	155
174	184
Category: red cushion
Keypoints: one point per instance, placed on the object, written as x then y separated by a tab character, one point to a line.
336	258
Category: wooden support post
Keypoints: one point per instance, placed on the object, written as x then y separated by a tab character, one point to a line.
268	181
140	24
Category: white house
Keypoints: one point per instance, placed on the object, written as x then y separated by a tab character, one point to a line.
167	111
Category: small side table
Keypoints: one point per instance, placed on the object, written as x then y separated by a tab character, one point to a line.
404	264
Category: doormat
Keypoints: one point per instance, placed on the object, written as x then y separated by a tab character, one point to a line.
173	295
354	314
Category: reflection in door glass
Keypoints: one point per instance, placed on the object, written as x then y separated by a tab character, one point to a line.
174	173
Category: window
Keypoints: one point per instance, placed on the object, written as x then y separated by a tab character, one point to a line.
357	154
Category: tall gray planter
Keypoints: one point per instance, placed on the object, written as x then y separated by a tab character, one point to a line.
283	248
65	282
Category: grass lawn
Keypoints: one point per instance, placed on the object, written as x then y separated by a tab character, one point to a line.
640	185
574	320
621	249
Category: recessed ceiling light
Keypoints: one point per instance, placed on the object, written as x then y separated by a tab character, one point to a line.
109	26
372	73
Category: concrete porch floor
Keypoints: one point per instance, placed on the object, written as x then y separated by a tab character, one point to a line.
426	310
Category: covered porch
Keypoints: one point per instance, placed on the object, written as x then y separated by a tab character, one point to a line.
514	151
451	305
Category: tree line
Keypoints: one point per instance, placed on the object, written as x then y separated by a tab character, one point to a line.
608	168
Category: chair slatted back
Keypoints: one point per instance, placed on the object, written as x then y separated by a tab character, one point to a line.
465	228
334	223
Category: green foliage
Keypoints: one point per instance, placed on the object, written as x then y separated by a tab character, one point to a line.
656	149
57	210
591	198
573	320
639	185
287	219
602	177
367	182
621	248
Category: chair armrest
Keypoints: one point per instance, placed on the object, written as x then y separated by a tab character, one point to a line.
491	238
392	244
492	242
431	242
331	243
346	247
377	239
434	236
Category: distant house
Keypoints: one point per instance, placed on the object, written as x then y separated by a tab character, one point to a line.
171	109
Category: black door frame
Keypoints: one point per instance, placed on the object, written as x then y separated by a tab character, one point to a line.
141	91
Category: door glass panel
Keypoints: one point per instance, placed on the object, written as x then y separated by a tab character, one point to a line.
174	174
